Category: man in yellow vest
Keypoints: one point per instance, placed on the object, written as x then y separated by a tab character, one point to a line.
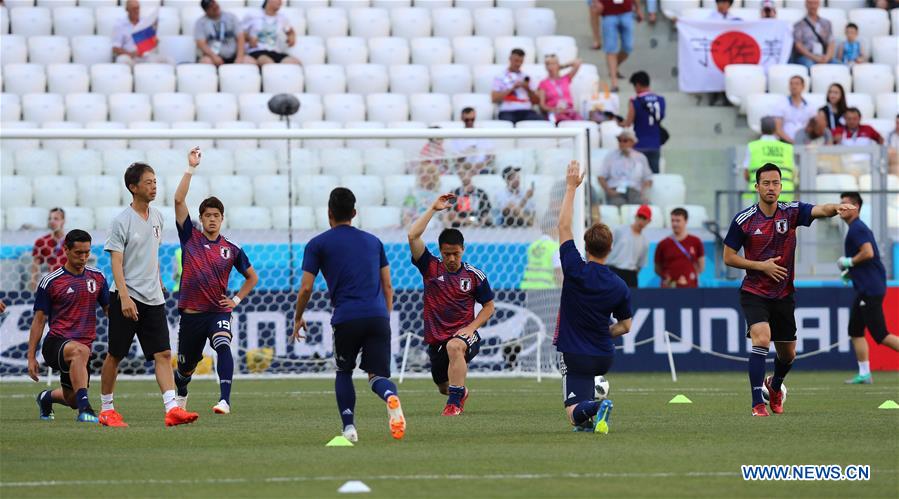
544	266
769	149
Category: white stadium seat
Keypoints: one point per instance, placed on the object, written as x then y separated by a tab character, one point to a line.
49	49
741	80
66	78
197	78
345	50
872	79
73	21
79	218
369	22
430	107
199	188
538	143
433	4
564	47
667	190
53	190
503	46
341	161
62	144
610	215
450	22
4	20
239	78
271	190
43	107
127	107
104	215
116	161
311	108
758	106
883	127
388	50
303	218
493	22
189	15
111	78
871	21
673	9
309	50
81	162
792	15
883	48
344	107
15	190
379	217
180	49
837	18
33	163
84	107
314	190
363	144
98	190
553	161
321	219
171	107
30	21
367	78
369	190
384	161
473	4
13	49
105	144
846	4
282	78
7	145
216	107
252	162
254	107
472	50
431	51
233	190
397	187
480	102
779	77
864	103
169	21
410	22
825	74
91	49
484	74
186	144
325	79
409	146
386	107
535	22
521	158
304	162
887	105
234	144
24	78
409	79
327	22
23	217
451	78
493	184
154	78
107	17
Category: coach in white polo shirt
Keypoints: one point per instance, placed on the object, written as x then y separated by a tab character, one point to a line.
793	112
137	304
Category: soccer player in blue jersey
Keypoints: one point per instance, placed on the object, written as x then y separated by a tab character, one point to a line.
591	294
869	278
68	298
767	233
207	260
355	268
451	289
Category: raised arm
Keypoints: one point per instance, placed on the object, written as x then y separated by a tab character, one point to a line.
575	66
573	180
830	210
181	209
416	245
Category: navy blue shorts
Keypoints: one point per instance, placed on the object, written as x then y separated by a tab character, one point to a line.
53	351
440	359
578	373
371	336
195	330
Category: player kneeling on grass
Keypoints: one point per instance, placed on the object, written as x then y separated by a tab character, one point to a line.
451	289
591	293
68	297
207	260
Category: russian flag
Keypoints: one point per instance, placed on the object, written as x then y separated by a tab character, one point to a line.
144	35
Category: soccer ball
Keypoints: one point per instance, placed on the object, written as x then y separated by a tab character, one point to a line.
766	397
601	384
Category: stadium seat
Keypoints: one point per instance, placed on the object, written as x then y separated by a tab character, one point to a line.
171	107
341	161
480	102
73	21
369	22
309	50
346	50
180	49
282	78
846	4
107	17
197	78
169	21
104	215
503	46
521	158
887	105
4	20
472	50
239	78
24	78
66	78
388	50
187	144
674	9
872	22
696	214
344	107
303	218
894	21
321	219
564	47
595	136
43	107
409	79
410	22
98	190
16	191
105	144
325	79
536	143
825	74
215	107
78	217
493	22
430	107
369	189
154	78
311	108
314	190
234	144
379	217
13	49
189	16
199	189
451	78
382	162
322	143
386	107
249	217
837	18
741	80
667	190
883	127
62	144
23	217
363	144
128	107
111	78
367	78
233	190
409	146
30	21
883	49
90	49
36	162
252	162
49	49
397	187
327	22
304	162
271	190
81	162
864	103
535	22
53	190
758	106
253	107
659	219
872	79
484	74
149	144
115	161
448	22
493	184
84	107
610	215
473	4
431	51
779	77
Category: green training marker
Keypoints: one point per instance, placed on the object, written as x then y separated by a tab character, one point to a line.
680	399
889	404
339	441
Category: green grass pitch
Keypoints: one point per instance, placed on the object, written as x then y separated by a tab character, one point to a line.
513	441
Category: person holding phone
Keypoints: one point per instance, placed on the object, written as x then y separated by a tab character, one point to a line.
512	92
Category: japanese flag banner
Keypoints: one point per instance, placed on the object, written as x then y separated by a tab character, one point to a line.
705	48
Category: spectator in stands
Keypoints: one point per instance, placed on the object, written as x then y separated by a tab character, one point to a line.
768	149
218	36
680	257
769	10
850	51
516	205
472	208
646	112
424	192
884	4
722	11
554	92
625	176
48	249
630	248
652	7
794	112
125	49
474	150
269	33
434	152
595	7
813	40
815	133
512	92
854	133
893	148
833	111
618	33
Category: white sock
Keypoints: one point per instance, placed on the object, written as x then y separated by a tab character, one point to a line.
168	398
864	368
106	403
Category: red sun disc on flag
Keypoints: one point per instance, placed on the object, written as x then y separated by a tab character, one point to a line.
735	47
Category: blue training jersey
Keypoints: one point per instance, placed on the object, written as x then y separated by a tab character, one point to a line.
869	278
591	293
351	261
649	111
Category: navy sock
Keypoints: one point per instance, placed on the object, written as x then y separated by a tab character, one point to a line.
780	372
584	411
346	396
47	401
382	387
224	366
181	382
455	395
757	373
81	399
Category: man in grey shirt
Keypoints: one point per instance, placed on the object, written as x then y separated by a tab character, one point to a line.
137	304
219	37
629	247
624	175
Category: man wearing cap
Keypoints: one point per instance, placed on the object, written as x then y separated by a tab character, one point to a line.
218	36
516	206
680	257
629	247
625	176
769	10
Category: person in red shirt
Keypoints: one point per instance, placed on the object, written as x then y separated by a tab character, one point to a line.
48	249
680	258
854	133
